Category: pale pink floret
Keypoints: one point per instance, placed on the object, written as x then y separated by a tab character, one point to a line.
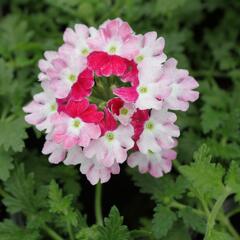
96	171
45	64
60	72
148	92
76	41
154	163
70	131
122	111
151	92
56	151
159	132
181	85
41	110
112	147
151	48
59	154
115	37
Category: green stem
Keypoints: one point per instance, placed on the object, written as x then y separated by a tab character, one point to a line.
98	204
233	212
225	221
213	214
52	233
178	205
141	233
2	192
70	232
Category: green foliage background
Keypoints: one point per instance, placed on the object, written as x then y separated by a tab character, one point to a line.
200	198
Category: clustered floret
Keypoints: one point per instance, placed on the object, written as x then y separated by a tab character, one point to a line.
134	125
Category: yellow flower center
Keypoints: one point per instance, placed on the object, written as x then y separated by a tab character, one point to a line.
149	125
139	58
76	123
112	49
53	107
85	52
124	111
110	136
72	77
143	89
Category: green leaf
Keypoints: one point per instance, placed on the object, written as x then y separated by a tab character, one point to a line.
202	172
5	165
61	204
88	233
232	179
211	118
166	7
227	151
11	41
177	232
6	77
163	221
10	231
192	219
216	235
12	134
164	188
22	194
113	228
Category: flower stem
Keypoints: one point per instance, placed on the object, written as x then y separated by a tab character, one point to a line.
52	233
98	204
213	214
225	221
70	232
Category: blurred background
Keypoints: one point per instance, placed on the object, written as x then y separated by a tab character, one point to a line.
203	35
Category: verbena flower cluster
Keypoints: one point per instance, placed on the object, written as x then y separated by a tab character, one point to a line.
106	98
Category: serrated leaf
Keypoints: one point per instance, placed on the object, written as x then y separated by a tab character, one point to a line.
227	151
164	188
166	7
5	165
211	118
217	235
88	233
232	179
12	134
6	77
22	194
202	172
113	228
177	232
61	204
10	231
12	40
192	219
163	220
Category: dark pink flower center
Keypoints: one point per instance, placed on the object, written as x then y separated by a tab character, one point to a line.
101	64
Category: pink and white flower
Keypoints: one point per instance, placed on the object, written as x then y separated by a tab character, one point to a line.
154	163
151	48
76	41
41	111
77	125
63	70
96	171
116	38
138	119
114	143
159	132
123	112
181	84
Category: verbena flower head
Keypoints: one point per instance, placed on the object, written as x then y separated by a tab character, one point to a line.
107	99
